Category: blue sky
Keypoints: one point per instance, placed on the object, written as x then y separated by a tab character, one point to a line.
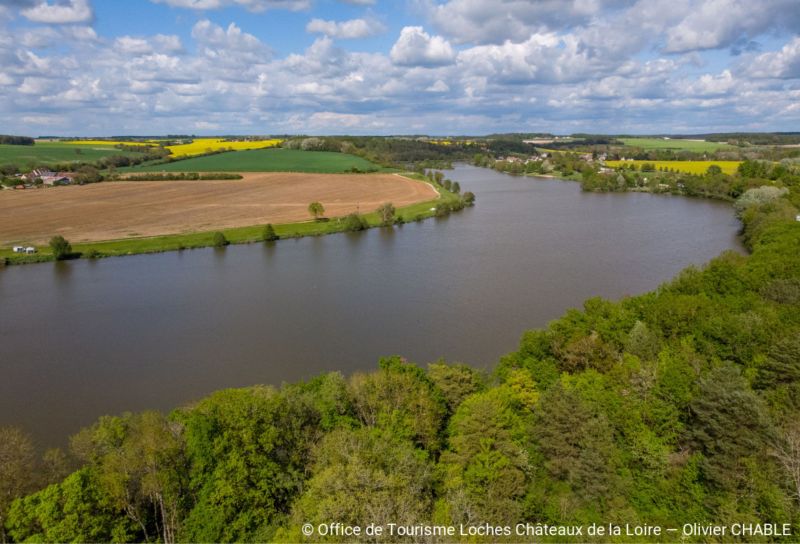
443	67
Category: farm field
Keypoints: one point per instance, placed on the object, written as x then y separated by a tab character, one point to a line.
110	211
203	145
197	147
43	153
688	167
266	160
675	144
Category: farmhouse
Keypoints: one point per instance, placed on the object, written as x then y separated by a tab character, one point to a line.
50	178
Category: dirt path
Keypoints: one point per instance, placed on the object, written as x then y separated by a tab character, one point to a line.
113	210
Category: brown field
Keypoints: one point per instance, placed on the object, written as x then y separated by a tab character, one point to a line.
114	210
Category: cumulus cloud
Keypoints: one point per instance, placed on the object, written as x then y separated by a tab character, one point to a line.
415	47
251	5
783	64
495	22
70	12
232	38
723	23
577	65
160	43
354	28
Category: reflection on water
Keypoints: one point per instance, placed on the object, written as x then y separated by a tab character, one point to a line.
83	338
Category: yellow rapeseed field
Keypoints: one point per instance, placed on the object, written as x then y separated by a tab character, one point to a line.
688	167
197	147
204	145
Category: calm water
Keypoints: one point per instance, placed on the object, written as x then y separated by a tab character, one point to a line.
85	338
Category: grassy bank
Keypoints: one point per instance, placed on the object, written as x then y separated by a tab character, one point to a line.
239	235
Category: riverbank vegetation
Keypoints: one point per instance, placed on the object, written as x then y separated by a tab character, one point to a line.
675	406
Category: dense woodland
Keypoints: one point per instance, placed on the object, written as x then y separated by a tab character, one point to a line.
675	406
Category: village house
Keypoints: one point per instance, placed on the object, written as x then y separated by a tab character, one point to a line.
50	178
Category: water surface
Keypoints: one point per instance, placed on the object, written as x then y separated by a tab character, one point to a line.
85	338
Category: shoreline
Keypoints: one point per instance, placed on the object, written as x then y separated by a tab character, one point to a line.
235	236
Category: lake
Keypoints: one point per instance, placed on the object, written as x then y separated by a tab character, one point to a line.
85	338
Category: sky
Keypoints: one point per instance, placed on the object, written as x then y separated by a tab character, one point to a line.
438	67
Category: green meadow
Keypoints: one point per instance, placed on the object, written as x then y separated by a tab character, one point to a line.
676	144
266	160
46	153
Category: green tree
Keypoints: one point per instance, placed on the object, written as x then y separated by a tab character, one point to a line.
386	212
364	476
17	464
469	198
75	510
219	240
141	468
62	249
269	234
728	424
316	209
401	399
487	465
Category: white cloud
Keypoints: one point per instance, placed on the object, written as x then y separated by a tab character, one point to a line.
251	5
354	28
232	38
415	47
438	87
577	65
723	23
783	64
73	11
160	43
495	22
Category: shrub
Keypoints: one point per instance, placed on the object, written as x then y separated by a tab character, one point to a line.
269	233
443	209
469	198
355	222
219	240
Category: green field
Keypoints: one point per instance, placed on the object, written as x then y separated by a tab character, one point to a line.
265	160
675	144
46	153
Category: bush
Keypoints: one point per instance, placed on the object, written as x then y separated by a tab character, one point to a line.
443	209
219	240
469	198
269	233
62	249
355	222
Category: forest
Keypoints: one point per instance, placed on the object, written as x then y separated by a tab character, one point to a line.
676	406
